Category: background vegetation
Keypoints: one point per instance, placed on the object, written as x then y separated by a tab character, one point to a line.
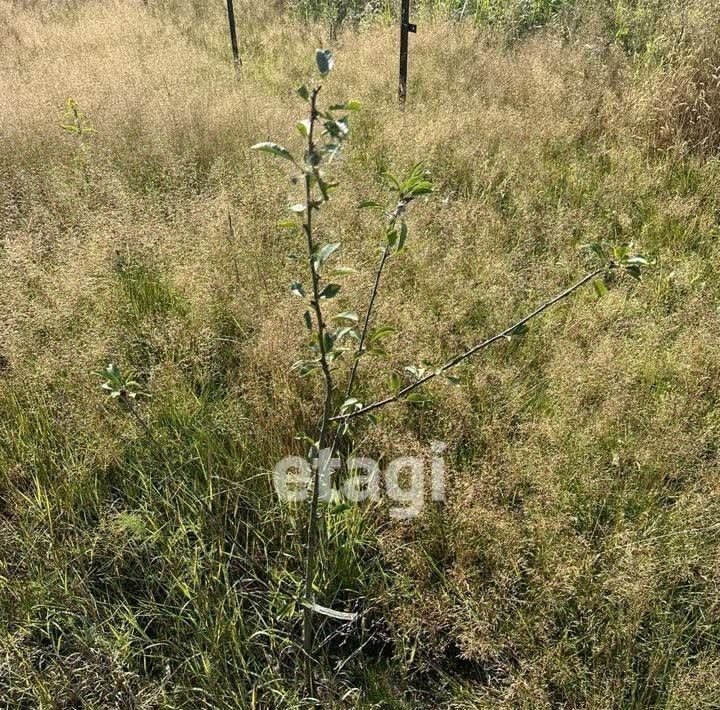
577	561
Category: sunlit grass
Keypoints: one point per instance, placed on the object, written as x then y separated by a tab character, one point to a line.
576	561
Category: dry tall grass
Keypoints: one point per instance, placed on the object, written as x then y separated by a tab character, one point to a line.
576	563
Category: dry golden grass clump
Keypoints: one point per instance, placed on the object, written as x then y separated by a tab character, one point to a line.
576	562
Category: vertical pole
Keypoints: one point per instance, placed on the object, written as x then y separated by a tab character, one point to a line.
404	29
233	34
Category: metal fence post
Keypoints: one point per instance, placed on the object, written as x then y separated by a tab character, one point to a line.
233	34
405	29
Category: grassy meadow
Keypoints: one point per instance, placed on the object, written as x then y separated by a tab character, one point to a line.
576	562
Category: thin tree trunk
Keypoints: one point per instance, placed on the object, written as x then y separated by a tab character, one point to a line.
312	536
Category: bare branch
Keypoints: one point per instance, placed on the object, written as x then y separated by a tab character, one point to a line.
472	351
